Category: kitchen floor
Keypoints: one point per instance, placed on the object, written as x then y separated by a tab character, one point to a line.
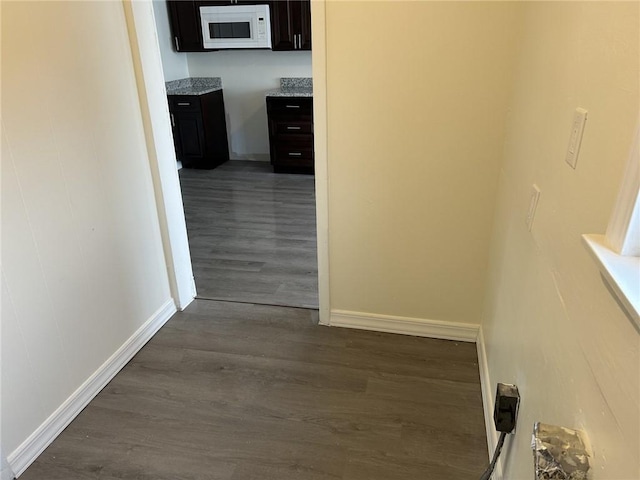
234	391
252	234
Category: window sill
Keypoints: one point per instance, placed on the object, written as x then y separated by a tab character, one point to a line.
621	273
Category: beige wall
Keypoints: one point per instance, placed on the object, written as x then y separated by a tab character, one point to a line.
550	324
417	99
82	260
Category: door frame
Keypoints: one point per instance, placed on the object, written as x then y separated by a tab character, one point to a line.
155	115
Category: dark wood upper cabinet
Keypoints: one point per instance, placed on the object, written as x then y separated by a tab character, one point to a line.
305	24
291	24
184	18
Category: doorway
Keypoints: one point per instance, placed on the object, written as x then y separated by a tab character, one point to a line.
157	126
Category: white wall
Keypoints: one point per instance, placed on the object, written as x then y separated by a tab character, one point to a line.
174	64
415	133
550	324
246	77
82	260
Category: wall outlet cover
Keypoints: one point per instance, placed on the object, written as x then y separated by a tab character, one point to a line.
533	205
575	139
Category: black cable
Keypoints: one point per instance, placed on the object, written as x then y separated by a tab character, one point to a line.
487	473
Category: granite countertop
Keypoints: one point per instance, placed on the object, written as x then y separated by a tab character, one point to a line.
194	86
293	87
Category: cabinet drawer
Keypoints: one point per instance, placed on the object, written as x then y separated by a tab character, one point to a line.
290	106
293	162
184	103
291	154
294	141
292	127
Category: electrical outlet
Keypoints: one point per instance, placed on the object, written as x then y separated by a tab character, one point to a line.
577	128
505	412
533	205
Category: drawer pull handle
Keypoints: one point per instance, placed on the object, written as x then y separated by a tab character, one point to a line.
294	128
295	154
184	104
293	106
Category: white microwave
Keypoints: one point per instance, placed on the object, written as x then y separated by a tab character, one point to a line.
237	26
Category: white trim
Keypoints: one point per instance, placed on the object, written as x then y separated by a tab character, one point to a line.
464	332
622	273
46	433
6	472
162	159
488	402
250	157
623	231
321	157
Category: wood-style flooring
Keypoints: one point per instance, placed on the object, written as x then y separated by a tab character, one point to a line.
235	391
252	234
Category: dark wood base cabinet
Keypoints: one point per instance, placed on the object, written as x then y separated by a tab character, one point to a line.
199	129
291	134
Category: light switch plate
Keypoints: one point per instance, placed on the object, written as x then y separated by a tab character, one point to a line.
575	139
533	204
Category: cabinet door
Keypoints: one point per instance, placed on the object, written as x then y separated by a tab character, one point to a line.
215	127
305	24
291	25
186	31
189	137
281	27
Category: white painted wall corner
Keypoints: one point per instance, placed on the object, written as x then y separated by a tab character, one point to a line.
162	160
46	433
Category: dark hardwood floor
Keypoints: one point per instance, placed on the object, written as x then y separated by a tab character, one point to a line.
253	392
252	234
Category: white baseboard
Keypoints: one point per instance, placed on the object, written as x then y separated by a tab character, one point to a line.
184	303
38	441
487	402
254	157
464	332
